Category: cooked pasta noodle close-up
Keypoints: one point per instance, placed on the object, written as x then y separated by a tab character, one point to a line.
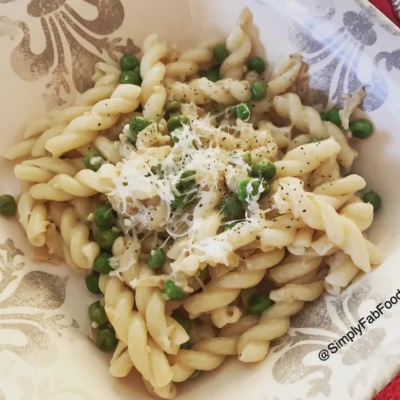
201	200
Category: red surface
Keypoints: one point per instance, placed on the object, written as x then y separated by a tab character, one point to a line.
392	390
385	7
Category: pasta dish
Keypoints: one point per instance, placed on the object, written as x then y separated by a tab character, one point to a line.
201	200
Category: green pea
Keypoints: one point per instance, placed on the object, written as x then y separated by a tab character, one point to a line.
231	225
172	106
172	291
256	64
106	339
243	111
187	181
93	160
156	259
244	186
258	303
231	207
213	74
102	264
334	117
128	62
97	313
106	238
177	121
324	116
184	322
220	53
264	169
258	90
104	216
8	206
185	346
195	374
176	135
136	125
92	283
361	128
316	140
374	199
130	77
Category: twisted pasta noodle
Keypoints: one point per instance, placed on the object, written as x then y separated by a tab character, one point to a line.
282	309
341	189
254	344
131	329
37	126
238	44
225	289
206	355
255	341
167	392
152	71
361	213
84	207
329	170
225	315
302	240
306	158
265	260
299	140
164	330
301	292
84	184
219	249
126	253
103	115
294	267
239	327
43	169
76	237
283	77
188	62
37	224
109	149
33	218
319	214
260	142
308	120
341	271
279	134
105	81
120	363
21	149
203	91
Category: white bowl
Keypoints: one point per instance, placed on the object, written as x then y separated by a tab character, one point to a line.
48	53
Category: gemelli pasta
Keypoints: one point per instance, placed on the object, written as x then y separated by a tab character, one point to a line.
201	200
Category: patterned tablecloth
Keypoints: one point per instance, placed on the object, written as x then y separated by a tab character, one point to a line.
392	390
